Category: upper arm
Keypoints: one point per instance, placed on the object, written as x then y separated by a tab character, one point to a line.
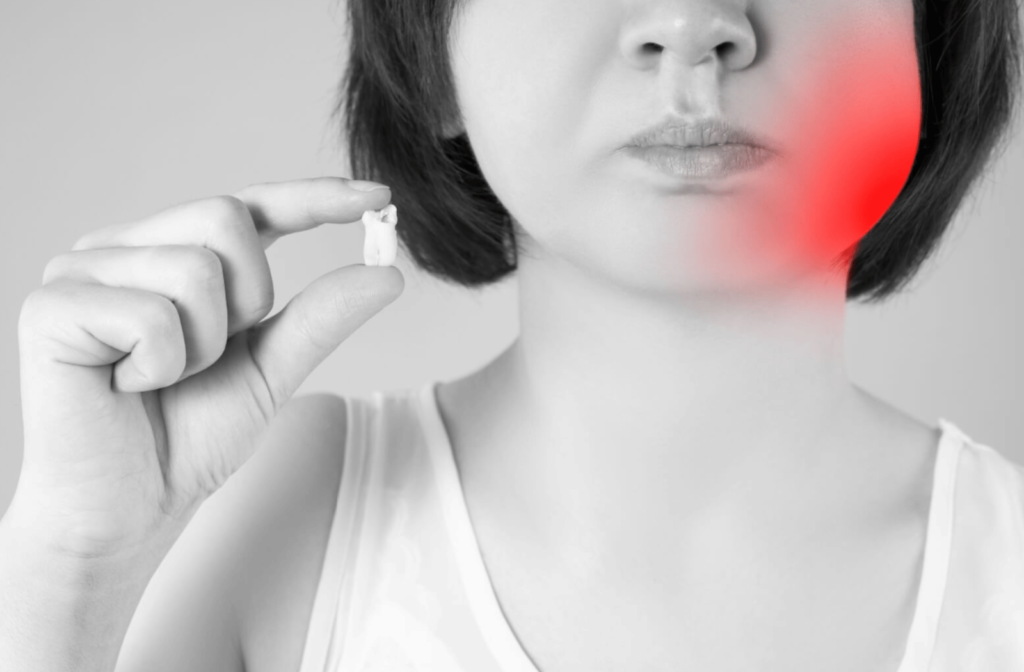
240	580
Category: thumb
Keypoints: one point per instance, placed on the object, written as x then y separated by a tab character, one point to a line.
289	345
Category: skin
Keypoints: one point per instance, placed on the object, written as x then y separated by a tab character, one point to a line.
678	394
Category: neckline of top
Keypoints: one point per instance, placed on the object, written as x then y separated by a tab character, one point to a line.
511	654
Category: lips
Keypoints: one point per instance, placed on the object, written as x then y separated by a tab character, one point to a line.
711	162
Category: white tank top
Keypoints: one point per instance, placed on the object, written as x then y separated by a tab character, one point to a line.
404	588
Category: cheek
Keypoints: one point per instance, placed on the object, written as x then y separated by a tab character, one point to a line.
850	143
861	140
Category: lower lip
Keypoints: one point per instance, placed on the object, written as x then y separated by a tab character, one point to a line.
714	162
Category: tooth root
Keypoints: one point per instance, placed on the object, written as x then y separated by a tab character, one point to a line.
370	219
387	241
380	244
370	256
387	249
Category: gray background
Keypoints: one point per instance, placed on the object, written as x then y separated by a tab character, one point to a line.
113	110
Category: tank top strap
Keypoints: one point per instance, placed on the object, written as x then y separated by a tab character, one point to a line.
321	634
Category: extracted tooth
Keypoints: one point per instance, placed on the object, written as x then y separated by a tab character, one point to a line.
380	243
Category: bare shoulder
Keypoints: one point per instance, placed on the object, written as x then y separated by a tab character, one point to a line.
289	500
235	591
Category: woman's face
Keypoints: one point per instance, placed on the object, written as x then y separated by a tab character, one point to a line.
551	91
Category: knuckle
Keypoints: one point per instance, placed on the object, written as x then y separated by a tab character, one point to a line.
200	279
84	242
200	265
54	268
160	324
35	304
47	311
249	189
95	238
45	302
258	290
159	317
39	311
225	210
232	225
264	303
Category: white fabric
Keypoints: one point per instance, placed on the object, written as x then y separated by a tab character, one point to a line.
404	588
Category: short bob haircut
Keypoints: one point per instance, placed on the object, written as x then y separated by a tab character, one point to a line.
396	99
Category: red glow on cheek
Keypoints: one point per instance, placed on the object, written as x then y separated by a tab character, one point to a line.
849	143
862	140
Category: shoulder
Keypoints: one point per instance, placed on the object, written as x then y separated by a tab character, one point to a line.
278	516
986	564
238	584
986	462
989	479
316	421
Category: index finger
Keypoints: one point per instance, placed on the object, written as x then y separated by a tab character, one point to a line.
280	208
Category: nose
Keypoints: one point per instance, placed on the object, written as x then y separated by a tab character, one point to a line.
693	32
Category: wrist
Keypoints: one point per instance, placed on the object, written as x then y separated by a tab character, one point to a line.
61	612
74	543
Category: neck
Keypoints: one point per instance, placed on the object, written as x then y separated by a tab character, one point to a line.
623	412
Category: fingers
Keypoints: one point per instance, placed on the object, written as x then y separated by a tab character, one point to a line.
91	325
287	347
221	224
240	228
280	208
190	277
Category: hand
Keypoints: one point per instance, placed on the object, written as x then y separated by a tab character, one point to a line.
147	377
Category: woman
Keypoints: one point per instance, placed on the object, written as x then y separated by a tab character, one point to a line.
668	469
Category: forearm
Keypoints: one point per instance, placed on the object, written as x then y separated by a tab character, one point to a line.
60	614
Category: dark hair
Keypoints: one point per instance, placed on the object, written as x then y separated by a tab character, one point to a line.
397	96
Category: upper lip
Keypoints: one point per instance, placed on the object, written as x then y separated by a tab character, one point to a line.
695	132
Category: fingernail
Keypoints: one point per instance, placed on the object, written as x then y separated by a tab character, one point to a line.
364	185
